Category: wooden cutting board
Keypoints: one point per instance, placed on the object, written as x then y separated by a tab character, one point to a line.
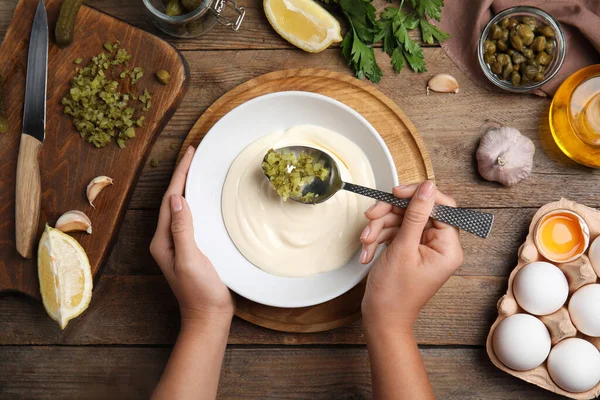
407	148
67	162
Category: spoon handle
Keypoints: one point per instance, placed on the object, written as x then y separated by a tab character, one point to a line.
475	222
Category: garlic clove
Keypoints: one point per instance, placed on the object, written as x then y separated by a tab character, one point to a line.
442	83
96	186
74	220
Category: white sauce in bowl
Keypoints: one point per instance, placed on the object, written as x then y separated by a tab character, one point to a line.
288	238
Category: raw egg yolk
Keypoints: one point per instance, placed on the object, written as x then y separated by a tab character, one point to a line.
561	236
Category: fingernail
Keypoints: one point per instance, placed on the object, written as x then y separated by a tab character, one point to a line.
176	204
401	186
363	256
365	232
426	190
190	149
372	207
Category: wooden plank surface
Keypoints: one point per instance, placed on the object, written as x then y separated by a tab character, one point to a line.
119	346
289	373
141	310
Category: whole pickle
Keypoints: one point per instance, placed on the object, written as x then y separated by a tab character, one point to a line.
65	24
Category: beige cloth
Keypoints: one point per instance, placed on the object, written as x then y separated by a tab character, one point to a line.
579	19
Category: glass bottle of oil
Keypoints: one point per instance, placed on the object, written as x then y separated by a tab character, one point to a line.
575	116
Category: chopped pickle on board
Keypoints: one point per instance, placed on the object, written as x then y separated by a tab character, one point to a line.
289	174
100	98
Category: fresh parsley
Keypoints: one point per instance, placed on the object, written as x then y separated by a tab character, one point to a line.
392	29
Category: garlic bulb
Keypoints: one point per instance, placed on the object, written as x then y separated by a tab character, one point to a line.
505	156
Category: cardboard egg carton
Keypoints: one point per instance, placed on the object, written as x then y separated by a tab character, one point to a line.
578	272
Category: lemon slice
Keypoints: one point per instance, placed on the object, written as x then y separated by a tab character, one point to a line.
65	276
303	23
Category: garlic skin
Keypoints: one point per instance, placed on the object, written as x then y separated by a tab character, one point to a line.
505	156
96	186
443	83
74	220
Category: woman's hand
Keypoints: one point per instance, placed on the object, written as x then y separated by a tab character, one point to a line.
421	256
201	294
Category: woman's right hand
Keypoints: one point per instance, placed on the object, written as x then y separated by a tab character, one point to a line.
421	256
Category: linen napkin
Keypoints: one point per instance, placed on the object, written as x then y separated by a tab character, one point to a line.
579	19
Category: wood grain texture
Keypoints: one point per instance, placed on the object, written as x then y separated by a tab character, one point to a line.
400	136
67	163
139	310
279	373
28	196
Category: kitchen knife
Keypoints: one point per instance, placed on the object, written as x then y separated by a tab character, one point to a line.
28	191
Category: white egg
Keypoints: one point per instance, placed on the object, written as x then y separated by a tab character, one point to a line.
574	365
594	255
521	342
584	309
541	288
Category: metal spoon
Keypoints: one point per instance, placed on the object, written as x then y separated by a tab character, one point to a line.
475	222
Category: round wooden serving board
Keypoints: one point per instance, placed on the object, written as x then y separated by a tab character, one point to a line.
407	148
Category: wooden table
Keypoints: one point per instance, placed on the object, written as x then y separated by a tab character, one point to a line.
119	347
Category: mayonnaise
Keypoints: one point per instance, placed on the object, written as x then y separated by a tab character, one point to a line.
288	238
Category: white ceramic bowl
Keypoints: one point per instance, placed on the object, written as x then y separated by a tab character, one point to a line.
222	144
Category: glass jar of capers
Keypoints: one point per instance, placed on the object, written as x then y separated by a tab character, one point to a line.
192	18
521	48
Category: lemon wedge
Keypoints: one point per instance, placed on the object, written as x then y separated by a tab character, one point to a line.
303	23
65	276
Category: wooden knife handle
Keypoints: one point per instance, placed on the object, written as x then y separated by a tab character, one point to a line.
28	194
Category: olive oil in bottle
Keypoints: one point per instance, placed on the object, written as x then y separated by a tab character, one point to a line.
575	116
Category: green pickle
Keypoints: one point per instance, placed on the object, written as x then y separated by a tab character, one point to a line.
65	24
289	174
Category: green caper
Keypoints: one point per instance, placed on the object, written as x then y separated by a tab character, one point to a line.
525	79
518	58
517	43
496	67
539	77
512	23
547	31
174	8
533	62
495	32
531	21
489	58
530	72
539	43
510	52
515	78
501	45
504	23
504	35
542	69
550	47
543	58
503	59
489	46
528	53
516	67
507	70
526	34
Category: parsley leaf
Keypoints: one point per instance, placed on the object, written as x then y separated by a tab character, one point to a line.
356	46
392	29
431	32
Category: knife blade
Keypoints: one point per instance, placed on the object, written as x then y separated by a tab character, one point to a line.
28	190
